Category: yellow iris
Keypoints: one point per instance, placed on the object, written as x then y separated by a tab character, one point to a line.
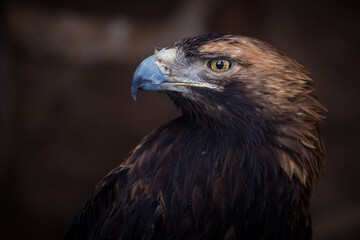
219	65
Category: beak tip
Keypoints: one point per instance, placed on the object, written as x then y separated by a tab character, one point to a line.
134	94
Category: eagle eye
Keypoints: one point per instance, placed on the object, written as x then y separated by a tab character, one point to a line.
219	65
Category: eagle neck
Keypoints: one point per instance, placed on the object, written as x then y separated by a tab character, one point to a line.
242	127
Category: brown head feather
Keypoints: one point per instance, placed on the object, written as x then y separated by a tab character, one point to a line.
279	89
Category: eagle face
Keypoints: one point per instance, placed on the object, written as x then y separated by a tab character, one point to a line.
210	73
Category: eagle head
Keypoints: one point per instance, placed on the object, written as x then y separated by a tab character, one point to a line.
218	72
245	85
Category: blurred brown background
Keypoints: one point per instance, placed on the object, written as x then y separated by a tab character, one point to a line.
67	116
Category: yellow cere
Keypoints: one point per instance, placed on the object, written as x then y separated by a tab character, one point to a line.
219	65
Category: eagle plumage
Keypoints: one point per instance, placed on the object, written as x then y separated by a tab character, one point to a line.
239	163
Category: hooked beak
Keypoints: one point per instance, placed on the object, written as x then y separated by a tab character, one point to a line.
153	74
148	77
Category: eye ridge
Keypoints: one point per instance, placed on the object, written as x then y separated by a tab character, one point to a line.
219	65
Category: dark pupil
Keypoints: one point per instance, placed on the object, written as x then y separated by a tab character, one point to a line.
219	64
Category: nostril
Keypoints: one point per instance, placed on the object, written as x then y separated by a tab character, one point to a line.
165	70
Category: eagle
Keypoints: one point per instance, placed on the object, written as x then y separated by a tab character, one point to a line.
240	162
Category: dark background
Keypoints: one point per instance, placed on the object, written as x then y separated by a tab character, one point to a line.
67	116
